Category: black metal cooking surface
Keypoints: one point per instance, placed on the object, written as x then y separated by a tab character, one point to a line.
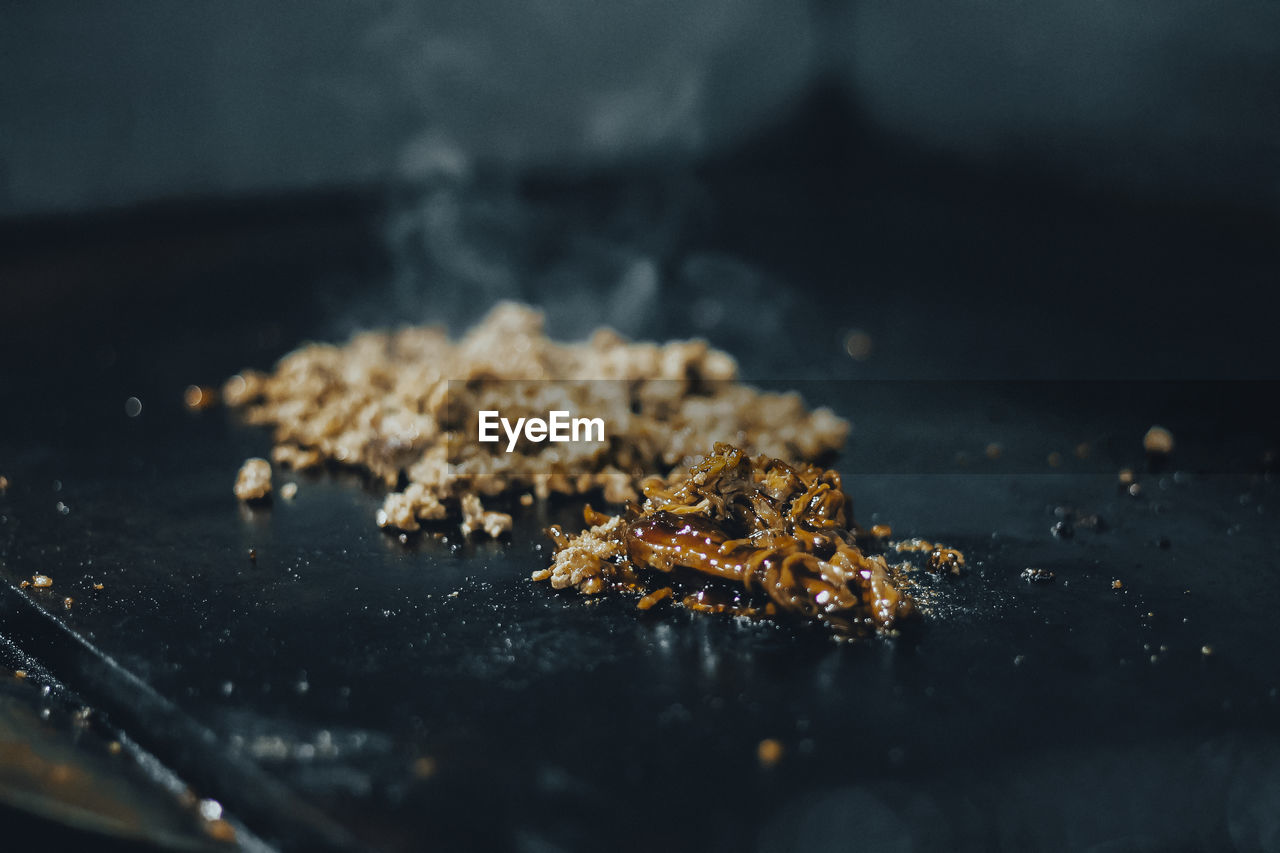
346	689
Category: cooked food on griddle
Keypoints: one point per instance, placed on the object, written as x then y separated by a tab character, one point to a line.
402	407
253	482
775	537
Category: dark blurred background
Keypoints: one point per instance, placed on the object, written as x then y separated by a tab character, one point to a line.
981	188
111	106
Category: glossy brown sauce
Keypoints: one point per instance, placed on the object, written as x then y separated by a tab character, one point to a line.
765	538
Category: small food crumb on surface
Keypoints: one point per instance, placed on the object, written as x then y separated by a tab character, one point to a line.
253	483
253	553
41	581
19	673
1126	476
945	561
1037	575
424	767
654	597
881	531
1158	441
526	499
769	752
68	601
476	518
994	450
114	747
858	345
4	484
1083	450
289	491
1116	584
198	397
219	830
1206	650
98	586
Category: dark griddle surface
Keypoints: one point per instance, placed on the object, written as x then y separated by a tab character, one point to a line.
340	656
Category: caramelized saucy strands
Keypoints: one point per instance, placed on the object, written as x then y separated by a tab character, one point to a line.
777	531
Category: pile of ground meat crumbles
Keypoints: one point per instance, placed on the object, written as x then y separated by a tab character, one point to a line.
400	406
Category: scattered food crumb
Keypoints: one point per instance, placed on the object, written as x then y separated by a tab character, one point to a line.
68	601
98	586
769	752
289	491
4	484
475	517
424	767
1055	459
198	397
219	830
946	561
653	598
1206	650
526	499
1037	575
1126	476
881	531
1116	584
858	344
253	554
24	584
1135	490
114	747
1083	450
41	581
253	483
22	673
1018	659
1158	441
994	449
